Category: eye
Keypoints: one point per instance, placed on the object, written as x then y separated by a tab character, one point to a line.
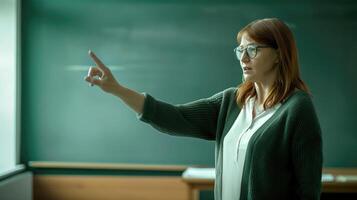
251	49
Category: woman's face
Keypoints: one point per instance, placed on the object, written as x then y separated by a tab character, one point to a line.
262	68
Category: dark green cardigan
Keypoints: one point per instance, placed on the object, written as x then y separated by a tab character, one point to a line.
284	156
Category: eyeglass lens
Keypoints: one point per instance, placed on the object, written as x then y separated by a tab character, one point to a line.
251	51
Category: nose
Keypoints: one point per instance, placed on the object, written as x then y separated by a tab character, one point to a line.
245	57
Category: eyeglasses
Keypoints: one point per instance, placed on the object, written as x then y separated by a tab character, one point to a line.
251	50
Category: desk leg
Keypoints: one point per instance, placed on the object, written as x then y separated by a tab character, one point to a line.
195	194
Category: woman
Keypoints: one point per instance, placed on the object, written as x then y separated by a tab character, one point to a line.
268	138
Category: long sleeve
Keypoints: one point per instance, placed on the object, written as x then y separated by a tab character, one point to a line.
307	152
193	119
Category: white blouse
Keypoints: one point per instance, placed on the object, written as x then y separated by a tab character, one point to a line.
235	145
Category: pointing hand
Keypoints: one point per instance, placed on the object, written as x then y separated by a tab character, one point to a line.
101	75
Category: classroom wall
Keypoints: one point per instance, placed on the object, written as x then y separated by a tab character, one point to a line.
18	187
177	52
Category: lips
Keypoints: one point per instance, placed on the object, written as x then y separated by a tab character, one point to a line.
247	68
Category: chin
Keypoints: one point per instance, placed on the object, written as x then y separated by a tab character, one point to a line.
249	78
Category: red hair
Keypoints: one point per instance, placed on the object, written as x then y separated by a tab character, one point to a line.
276	34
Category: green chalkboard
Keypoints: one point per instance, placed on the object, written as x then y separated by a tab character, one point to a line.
177	52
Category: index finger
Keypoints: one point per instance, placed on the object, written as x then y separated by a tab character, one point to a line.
96	59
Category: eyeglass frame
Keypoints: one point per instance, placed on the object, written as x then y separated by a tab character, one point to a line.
244	50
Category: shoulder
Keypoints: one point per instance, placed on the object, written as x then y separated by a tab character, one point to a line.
299	100
223	98
224	95
299	107
232	91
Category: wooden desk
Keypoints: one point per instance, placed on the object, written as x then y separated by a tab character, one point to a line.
340	186
335	186
110	181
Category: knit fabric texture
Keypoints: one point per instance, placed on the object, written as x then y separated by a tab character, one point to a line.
283	158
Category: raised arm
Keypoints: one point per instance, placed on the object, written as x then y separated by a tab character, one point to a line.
101	76
194	119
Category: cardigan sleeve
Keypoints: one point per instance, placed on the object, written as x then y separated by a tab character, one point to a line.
194	119
307	151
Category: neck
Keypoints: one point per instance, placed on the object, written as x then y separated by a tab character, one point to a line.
262	91
263	86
